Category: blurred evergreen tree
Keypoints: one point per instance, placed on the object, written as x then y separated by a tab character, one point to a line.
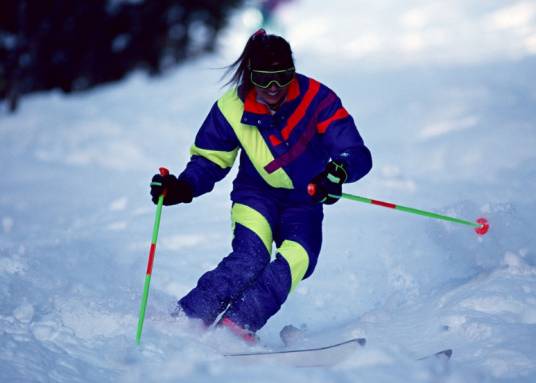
76	44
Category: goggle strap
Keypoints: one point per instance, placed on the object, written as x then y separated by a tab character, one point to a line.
273	71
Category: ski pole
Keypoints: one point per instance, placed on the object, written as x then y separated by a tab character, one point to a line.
481	225
164	172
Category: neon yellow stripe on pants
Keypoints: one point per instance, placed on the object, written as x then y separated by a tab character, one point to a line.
254	221
297	259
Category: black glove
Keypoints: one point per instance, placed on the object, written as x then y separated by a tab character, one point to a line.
327	186
177	191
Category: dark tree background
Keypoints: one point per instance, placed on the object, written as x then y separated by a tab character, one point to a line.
76	44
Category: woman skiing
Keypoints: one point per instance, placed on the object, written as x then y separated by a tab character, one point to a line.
291	132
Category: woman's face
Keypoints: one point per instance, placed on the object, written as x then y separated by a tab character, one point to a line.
273	95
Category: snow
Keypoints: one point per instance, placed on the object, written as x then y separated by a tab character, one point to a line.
452	127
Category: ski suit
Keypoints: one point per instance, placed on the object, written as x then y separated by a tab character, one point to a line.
279	155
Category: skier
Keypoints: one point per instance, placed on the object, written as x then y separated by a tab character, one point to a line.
291	131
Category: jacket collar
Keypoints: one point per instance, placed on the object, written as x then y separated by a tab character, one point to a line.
251	105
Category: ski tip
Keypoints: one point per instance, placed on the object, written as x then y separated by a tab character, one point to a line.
447	353
361	341
484	226
443	354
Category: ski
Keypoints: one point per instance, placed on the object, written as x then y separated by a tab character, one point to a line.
444	355
325	356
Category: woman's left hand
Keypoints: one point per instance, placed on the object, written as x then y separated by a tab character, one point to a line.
326	187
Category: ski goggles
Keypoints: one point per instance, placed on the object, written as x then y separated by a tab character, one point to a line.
265	78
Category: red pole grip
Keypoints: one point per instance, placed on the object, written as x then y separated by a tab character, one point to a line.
311	189
164	172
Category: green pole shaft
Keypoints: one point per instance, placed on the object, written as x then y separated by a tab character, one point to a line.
406	209
150	262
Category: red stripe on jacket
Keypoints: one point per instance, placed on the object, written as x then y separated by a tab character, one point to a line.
274	140
338	115
298	114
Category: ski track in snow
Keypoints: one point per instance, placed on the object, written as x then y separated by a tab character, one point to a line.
76	219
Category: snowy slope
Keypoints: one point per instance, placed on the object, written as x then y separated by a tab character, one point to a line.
456	137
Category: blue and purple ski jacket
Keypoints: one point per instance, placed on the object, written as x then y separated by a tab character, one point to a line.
280	153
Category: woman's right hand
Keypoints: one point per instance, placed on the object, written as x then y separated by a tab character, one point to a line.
176	191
